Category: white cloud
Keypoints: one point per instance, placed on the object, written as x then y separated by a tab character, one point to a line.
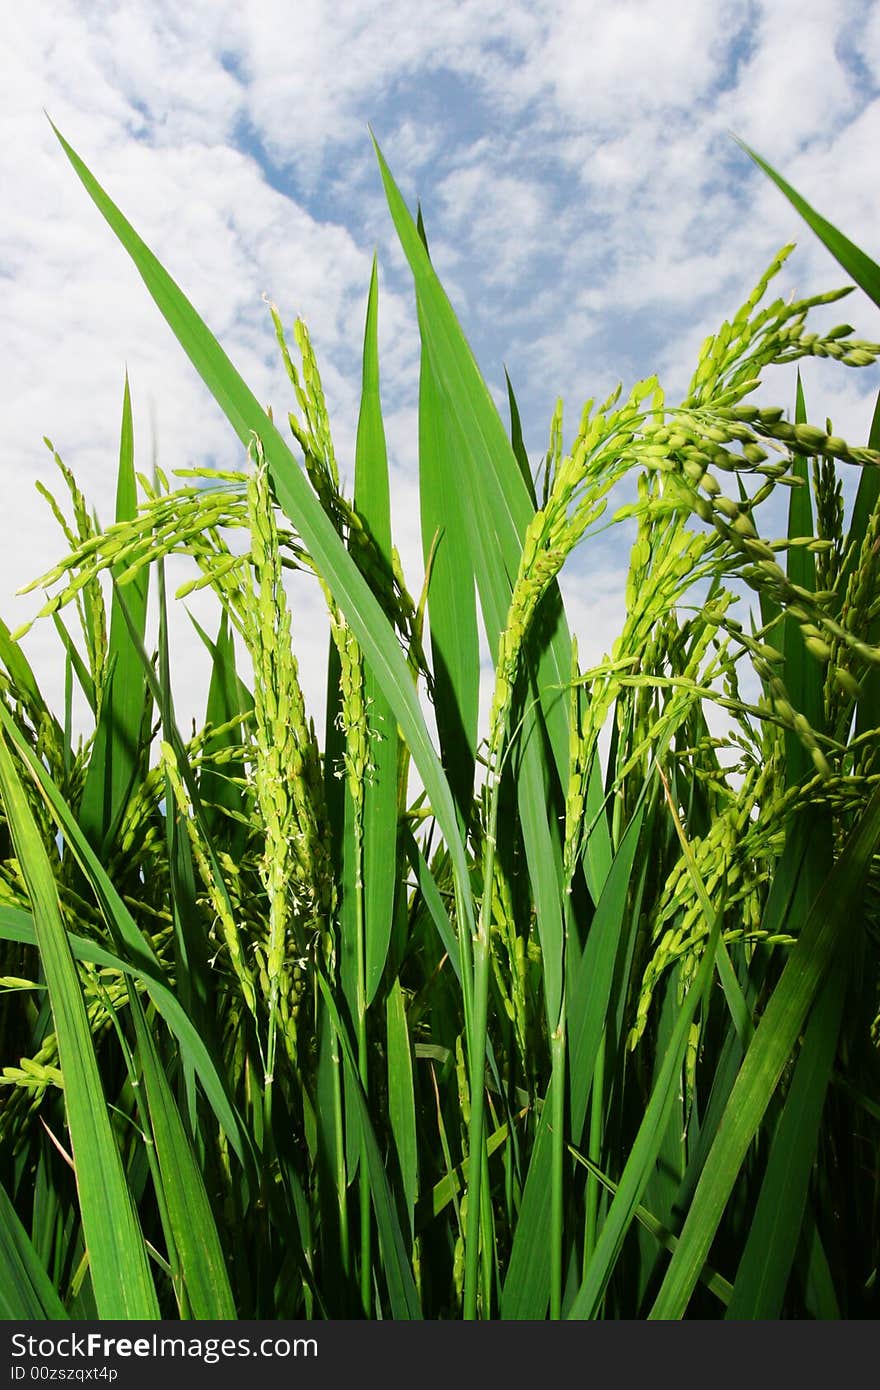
586	208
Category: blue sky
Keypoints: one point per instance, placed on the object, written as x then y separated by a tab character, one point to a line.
587	208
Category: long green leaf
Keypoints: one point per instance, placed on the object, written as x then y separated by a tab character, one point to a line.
526	1292
398	1272
26	1291
452	599
247	417
202	1266
23	678
401	1098
769	1253
834	915
118	1260
373	503
590	979
646	1146
517	443
715	1282
112	768
141	959
863	270
227	701
496	509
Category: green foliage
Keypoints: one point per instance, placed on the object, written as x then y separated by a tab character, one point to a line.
586	1026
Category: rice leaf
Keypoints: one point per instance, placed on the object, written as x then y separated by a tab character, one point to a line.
401	1098
770	1249
118	1260
715	1282
590	977
372	502
646	1145
113	765
227	700
26	1291
525	1295
248	419
141	959
398	1272
863	270
452	599
77	665
200	1256
517	443
834	914
496	509
446	1190
432	899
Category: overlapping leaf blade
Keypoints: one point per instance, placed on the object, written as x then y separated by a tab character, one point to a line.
118	1260
833	917
247	417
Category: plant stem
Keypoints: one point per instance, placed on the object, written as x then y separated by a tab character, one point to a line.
557	1049
363	1070
479	1022
341	1184
594	1153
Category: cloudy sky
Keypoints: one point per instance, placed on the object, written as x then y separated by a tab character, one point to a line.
587	208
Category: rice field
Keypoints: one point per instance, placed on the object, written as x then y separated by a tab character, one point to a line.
584	1026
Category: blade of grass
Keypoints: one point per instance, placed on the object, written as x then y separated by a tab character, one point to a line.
112	769
525	1295
227	701
401	1099
77	665
247	417
433	900
395	1263
202	1266
769	1253
141	959
517	442
373	503
22	676
715	1282
445	1191
26	1291
118	1260
833	915
452	600
591	977
496	509
645	1147
863	270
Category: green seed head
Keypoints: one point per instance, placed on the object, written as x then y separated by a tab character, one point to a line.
817	648
810	436
847	682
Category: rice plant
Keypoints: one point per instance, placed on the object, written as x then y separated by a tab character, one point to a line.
581	1020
